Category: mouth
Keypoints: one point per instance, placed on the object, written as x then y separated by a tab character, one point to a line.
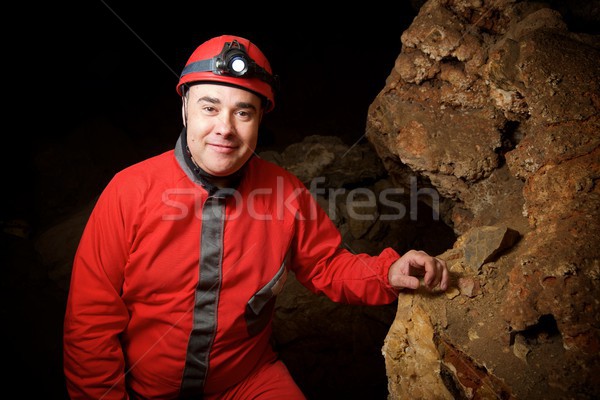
223	148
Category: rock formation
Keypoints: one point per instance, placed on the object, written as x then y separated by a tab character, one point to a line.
495	105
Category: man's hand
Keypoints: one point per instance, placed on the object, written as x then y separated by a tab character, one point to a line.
404	271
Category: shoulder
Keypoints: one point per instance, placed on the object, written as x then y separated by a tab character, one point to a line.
261	171
149	165
137	187
280	185
146	173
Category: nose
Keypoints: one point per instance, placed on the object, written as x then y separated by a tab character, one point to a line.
225	125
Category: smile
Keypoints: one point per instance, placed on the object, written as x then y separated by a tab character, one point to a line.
222	148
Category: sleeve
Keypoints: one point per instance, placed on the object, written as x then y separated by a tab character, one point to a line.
93	361
323	266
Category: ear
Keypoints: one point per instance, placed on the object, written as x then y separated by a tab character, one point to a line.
184	110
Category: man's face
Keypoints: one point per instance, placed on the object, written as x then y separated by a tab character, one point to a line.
222	126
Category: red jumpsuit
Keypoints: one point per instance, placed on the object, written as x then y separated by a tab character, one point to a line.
173	287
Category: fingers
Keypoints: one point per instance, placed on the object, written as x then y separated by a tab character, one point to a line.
436	273
445	276
431	275
434	270
405	281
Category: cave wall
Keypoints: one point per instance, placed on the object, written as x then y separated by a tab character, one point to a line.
495	105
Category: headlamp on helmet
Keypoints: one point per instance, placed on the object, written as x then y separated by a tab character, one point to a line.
233	60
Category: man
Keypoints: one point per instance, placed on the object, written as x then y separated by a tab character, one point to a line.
176	275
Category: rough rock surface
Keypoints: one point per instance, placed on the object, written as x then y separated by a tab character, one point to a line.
496	106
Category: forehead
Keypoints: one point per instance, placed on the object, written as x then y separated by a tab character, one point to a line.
223	93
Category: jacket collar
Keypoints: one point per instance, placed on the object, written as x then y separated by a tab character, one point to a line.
201	177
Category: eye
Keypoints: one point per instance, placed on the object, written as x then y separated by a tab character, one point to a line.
209	109
245	114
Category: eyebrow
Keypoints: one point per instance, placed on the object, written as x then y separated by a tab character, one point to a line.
239	104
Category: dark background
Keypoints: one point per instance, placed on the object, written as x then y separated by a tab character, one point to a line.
97	82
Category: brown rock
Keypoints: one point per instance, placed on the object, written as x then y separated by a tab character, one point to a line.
496	105
484	243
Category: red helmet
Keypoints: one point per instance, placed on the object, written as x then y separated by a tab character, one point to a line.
234	60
